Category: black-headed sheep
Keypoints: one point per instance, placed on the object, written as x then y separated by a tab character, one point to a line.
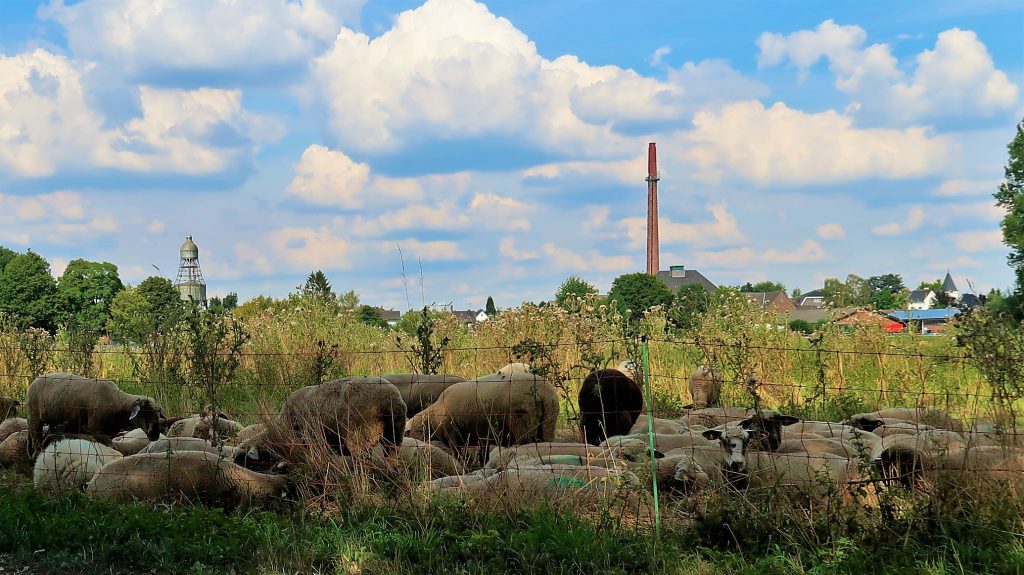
610	402
922	415
500	409
420	390
75	404
351	415
69	464
184	475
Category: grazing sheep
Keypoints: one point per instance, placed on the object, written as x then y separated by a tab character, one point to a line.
506	373
501	456
188	444
420	390
8	408
14	450
352	415
715	416
132	441
922	415
705	388
609	402
183	475
69	464
11	426
204	427
75	404
490	411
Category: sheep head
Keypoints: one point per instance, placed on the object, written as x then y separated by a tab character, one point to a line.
146	415
766	428
865	422
734	441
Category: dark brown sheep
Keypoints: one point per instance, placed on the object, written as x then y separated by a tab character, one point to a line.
610	402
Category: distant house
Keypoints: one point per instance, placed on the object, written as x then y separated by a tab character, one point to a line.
389	315
470	318
949	286
865	317
969	301
926	321
776	301
921	299
814	299
678	276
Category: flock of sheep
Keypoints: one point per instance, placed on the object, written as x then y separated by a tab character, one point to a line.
493	436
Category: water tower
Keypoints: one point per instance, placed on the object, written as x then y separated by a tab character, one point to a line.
190	283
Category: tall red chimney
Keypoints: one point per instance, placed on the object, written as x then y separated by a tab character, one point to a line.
653	263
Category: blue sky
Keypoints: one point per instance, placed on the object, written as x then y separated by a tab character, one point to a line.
502	144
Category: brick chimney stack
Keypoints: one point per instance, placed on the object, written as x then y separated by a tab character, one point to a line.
653	263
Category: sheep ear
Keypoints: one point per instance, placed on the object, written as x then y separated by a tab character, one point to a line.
253	453
712	434
136	407
787	419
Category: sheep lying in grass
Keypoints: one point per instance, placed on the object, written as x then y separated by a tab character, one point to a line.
420	390
610	402
715	416
14	450
184	475
11	426
188	444
351	415
660	425
132	441
638	444
497	409
74	404
205	427
922	415
69	464
705	388
500	457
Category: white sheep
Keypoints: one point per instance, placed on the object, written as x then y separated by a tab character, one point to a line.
183	475
705	387
69	464
132	441
659	424
500	457
189	444
205	427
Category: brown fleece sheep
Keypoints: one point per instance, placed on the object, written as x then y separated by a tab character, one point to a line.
497	409
14	450
352	415
11	426
420	390
705	388
75	404
610	402
183	475
204	426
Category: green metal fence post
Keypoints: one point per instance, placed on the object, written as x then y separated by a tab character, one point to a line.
650	434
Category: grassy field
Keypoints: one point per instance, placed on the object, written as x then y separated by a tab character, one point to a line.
959	526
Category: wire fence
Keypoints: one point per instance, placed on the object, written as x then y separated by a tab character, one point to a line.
813	419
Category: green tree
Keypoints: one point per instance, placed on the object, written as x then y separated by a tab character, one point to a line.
853	292
935	286
489	309
760	287
371	316
943	300
796	293
802	326
887	291
230	301
573	289
86	289
1011	197
6	255
318	287
410	321
129	316
692	302
639	292
138	314
28	291
256	306
164	305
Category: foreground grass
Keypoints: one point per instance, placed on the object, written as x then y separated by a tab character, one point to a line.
76	535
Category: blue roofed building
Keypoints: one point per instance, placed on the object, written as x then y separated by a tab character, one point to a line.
926	321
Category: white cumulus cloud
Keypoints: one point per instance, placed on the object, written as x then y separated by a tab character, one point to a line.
831	231
914	219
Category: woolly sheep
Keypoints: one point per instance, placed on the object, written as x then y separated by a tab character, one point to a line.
420	390
351	415
69	464
132	441
490	410
765	429
660	425
247	433
14	450
609	403
811	475
639	444
500	457
188	444
509	371
11	426
705	387
75	404
922	415
715	416
183	475
815	446
204	427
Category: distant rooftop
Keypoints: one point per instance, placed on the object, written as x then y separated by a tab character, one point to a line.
924	314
